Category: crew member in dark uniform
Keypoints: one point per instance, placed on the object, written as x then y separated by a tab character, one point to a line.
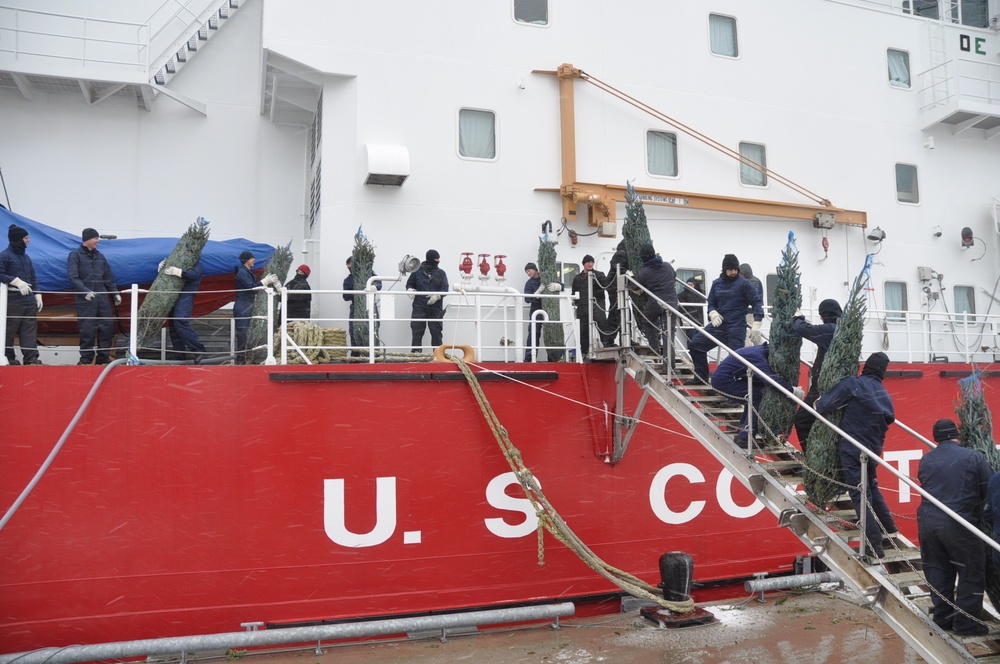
428	310
91	276
183	338
821	335
299	297
958	477
581	289
23	306
660	279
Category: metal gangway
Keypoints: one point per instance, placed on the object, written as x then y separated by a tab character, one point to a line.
894	586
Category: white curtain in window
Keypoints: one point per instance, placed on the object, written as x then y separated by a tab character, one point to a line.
661	152
899	68
722	35
477	134
749	174
895	299
965	303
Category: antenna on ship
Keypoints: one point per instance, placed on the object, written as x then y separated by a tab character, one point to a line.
4	183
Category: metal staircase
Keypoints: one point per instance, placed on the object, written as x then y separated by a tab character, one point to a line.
895	587
196	31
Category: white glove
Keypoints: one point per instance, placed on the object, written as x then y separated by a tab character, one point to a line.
715	318
755	333
370	289
118	299
38	301
554	287
173	271
628	273
433	299
90	296
271	280
798	314
799	392
21	285
159	268
412	293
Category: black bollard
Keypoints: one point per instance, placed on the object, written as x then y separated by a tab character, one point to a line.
676	572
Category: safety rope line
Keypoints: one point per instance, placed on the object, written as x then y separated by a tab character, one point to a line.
548	517
711	142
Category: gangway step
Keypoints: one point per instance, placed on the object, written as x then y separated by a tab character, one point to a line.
908	579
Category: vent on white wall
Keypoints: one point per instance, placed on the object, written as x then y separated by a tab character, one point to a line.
387	165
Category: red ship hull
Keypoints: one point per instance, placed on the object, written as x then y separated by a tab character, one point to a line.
189	500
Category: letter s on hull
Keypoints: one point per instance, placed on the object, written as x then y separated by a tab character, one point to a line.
334	511
496	495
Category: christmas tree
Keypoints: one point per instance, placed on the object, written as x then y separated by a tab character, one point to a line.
362	260
165	289
279	264
555	340
822	456
635	232
776	410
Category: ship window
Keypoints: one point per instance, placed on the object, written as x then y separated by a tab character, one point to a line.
722	35
975	13
895	301
685	274
899	68
965	304
907	190
749	174
477	135
568	272
661	153
770	289
535	12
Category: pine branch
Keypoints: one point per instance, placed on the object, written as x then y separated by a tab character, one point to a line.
553	334
841	361
279	265
165	289
362	260
777	411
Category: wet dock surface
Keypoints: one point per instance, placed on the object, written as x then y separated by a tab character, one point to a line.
793	628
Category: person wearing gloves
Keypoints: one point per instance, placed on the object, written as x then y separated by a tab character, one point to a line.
868	412
428	310
961	479
659	278
730	378
93	282
533	286
728	300
246	282
821	335
23	305
183	339
299	297
583	308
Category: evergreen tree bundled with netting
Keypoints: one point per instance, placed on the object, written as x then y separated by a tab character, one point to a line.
362	262
279	264
165	289
822	457
635	232
975	429
553	335
777	411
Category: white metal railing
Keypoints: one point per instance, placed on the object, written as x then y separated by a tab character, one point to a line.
960	80
30	37
493	320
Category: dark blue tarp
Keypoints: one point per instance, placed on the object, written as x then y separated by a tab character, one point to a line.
133	260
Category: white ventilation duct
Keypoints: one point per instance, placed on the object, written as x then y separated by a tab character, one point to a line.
387	165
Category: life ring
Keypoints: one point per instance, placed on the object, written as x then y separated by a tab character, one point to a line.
468	355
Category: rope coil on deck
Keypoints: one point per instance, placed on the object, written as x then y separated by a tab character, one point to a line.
549	519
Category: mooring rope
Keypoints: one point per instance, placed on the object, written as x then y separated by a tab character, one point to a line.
549	519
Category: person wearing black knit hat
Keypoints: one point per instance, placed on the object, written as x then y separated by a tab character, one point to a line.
428	310
657	324
960	478
821	335
17	274
591	283
728	300
246	285
868	412
89	272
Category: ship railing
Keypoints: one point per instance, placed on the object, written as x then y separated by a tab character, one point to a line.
962	83
33	41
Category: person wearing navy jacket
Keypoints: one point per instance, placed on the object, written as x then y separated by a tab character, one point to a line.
428	310
730	378
960	478
183	339
868	412
660	279
821	335
18	275
728	300
246	283
91	276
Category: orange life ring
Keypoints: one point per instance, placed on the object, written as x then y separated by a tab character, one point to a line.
468	355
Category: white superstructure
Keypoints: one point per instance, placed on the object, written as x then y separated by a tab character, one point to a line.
272	126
